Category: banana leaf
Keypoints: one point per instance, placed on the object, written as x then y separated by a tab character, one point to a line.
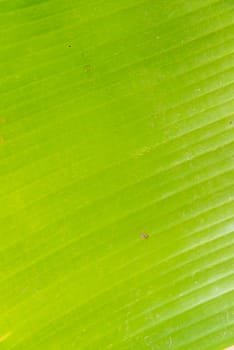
116	174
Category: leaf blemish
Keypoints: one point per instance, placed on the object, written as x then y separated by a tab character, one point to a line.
4	337
144	236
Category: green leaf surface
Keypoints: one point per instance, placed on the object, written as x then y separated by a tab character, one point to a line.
116	119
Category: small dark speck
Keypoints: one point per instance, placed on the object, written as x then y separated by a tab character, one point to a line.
87	68
144	236
69	46
231	122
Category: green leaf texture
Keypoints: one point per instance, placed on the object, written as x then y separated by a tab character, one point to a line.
116	119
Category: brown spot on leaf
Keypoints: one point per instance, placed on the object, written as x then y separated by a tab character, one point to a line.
87	68
144	236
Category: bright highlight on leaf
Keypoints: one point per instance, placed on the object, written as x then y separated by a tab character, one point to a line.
116	174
